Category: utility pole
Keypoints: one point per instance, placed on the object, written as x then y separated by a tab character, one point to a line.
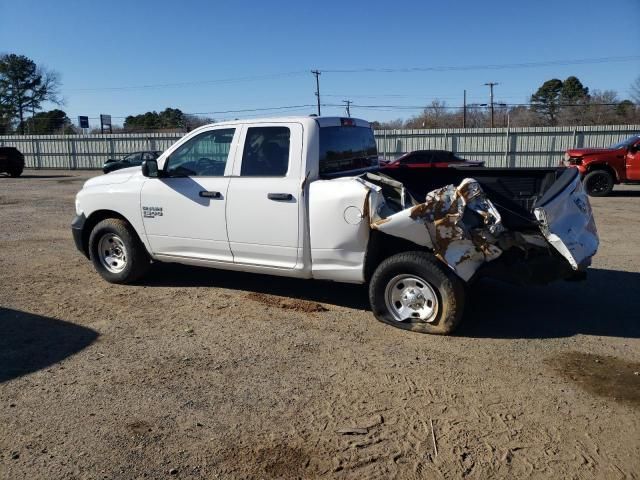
348	103
491	85
317	74
464	110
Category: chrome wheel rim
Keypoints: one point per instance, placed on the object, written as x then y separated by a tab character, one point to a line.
112	253
409	297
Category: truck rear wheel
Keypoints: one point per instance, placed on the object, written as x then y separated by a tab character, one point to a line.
116	252
598	183
414	291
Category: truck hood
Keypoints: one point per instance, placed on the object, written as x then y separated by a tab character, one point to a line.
581	152
118	176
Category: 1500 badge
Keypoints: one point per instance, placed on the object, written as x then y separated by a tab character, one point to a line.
151	212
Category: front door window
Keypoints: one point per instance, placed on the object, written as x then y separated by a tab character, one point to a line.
203	156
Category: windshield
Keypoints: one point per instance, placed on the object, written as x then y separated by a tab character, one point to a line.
347	149
625	143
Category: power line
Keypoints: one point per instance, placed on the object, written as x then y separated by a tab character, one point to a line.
383	107
437	107
186	84
504	66
221	112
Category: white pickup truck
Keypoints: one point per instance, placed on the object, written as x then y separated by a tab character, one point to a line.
304	197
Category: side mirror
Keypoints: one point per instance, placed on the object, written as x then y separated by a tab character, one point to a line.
150	168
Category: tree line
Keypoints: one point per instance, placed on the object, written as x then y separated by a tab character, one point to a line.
555	103
25	87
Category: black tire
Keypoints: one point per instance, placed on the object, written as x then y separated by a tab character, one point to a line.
598	183
448	287
16	172
137	259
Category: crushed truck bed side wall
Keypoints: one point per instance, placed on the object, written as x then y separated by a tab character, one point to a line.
460	224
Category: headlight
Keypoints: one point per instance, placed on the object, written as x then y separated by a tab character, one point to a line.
78	209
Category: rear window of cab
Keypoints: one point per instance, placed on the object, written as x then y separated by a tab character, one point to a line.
347	149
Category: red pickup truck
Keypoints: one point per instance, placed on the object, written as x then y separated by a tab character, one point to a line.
602	168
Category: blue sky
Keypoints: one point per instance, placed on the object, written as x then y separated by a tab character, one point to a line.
101	49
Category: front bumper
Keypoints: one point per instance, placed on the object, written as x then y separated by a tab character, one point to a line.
77	229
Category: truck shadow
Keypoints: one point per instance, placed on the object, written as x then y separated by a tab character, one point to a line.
605	304
332	293
29	342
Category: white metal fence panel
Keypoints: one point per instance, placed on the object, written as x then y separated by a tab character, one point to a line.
498	147
502	147
84	151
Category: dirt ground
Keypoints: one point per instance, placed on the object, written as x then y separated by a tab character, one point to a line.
199	373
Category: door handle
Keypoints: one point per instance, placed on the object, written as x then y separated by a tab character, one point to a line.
207	194
279	196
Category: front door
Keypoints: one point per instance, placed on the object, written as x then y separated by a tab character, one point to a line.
265	199
184	209
632	160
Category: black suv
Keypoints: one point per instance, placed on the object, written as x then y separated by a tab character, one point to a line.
11	161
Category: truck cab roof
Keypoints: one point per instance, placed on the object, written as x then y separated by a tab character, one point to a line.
322	121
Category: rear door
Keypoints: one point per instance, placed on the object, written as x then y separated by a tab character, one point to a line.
265	196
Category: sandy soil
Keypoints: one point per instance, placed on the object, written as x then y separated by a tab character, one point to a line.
200	373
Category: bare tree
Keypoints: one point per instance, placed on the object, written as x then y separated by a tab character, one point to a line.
389	124
24	87
195	121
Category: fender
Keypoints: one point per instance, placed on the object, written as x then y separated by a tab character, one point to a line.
119	192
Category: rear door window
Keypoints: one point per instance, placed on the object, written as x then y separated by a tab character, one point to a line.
266	152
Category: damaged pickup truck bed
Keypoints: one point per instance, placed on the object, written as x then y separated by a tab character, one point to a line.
302	197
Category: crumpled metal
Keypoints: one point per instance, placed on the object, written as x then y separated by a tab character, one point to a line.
462	224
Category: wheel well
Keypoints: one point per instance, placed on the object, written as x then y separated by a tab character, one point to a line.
606	168
382	246
93	219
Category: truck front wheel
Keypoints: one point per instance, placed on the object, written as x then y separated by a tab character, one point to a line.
598	183
116	252
414	291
